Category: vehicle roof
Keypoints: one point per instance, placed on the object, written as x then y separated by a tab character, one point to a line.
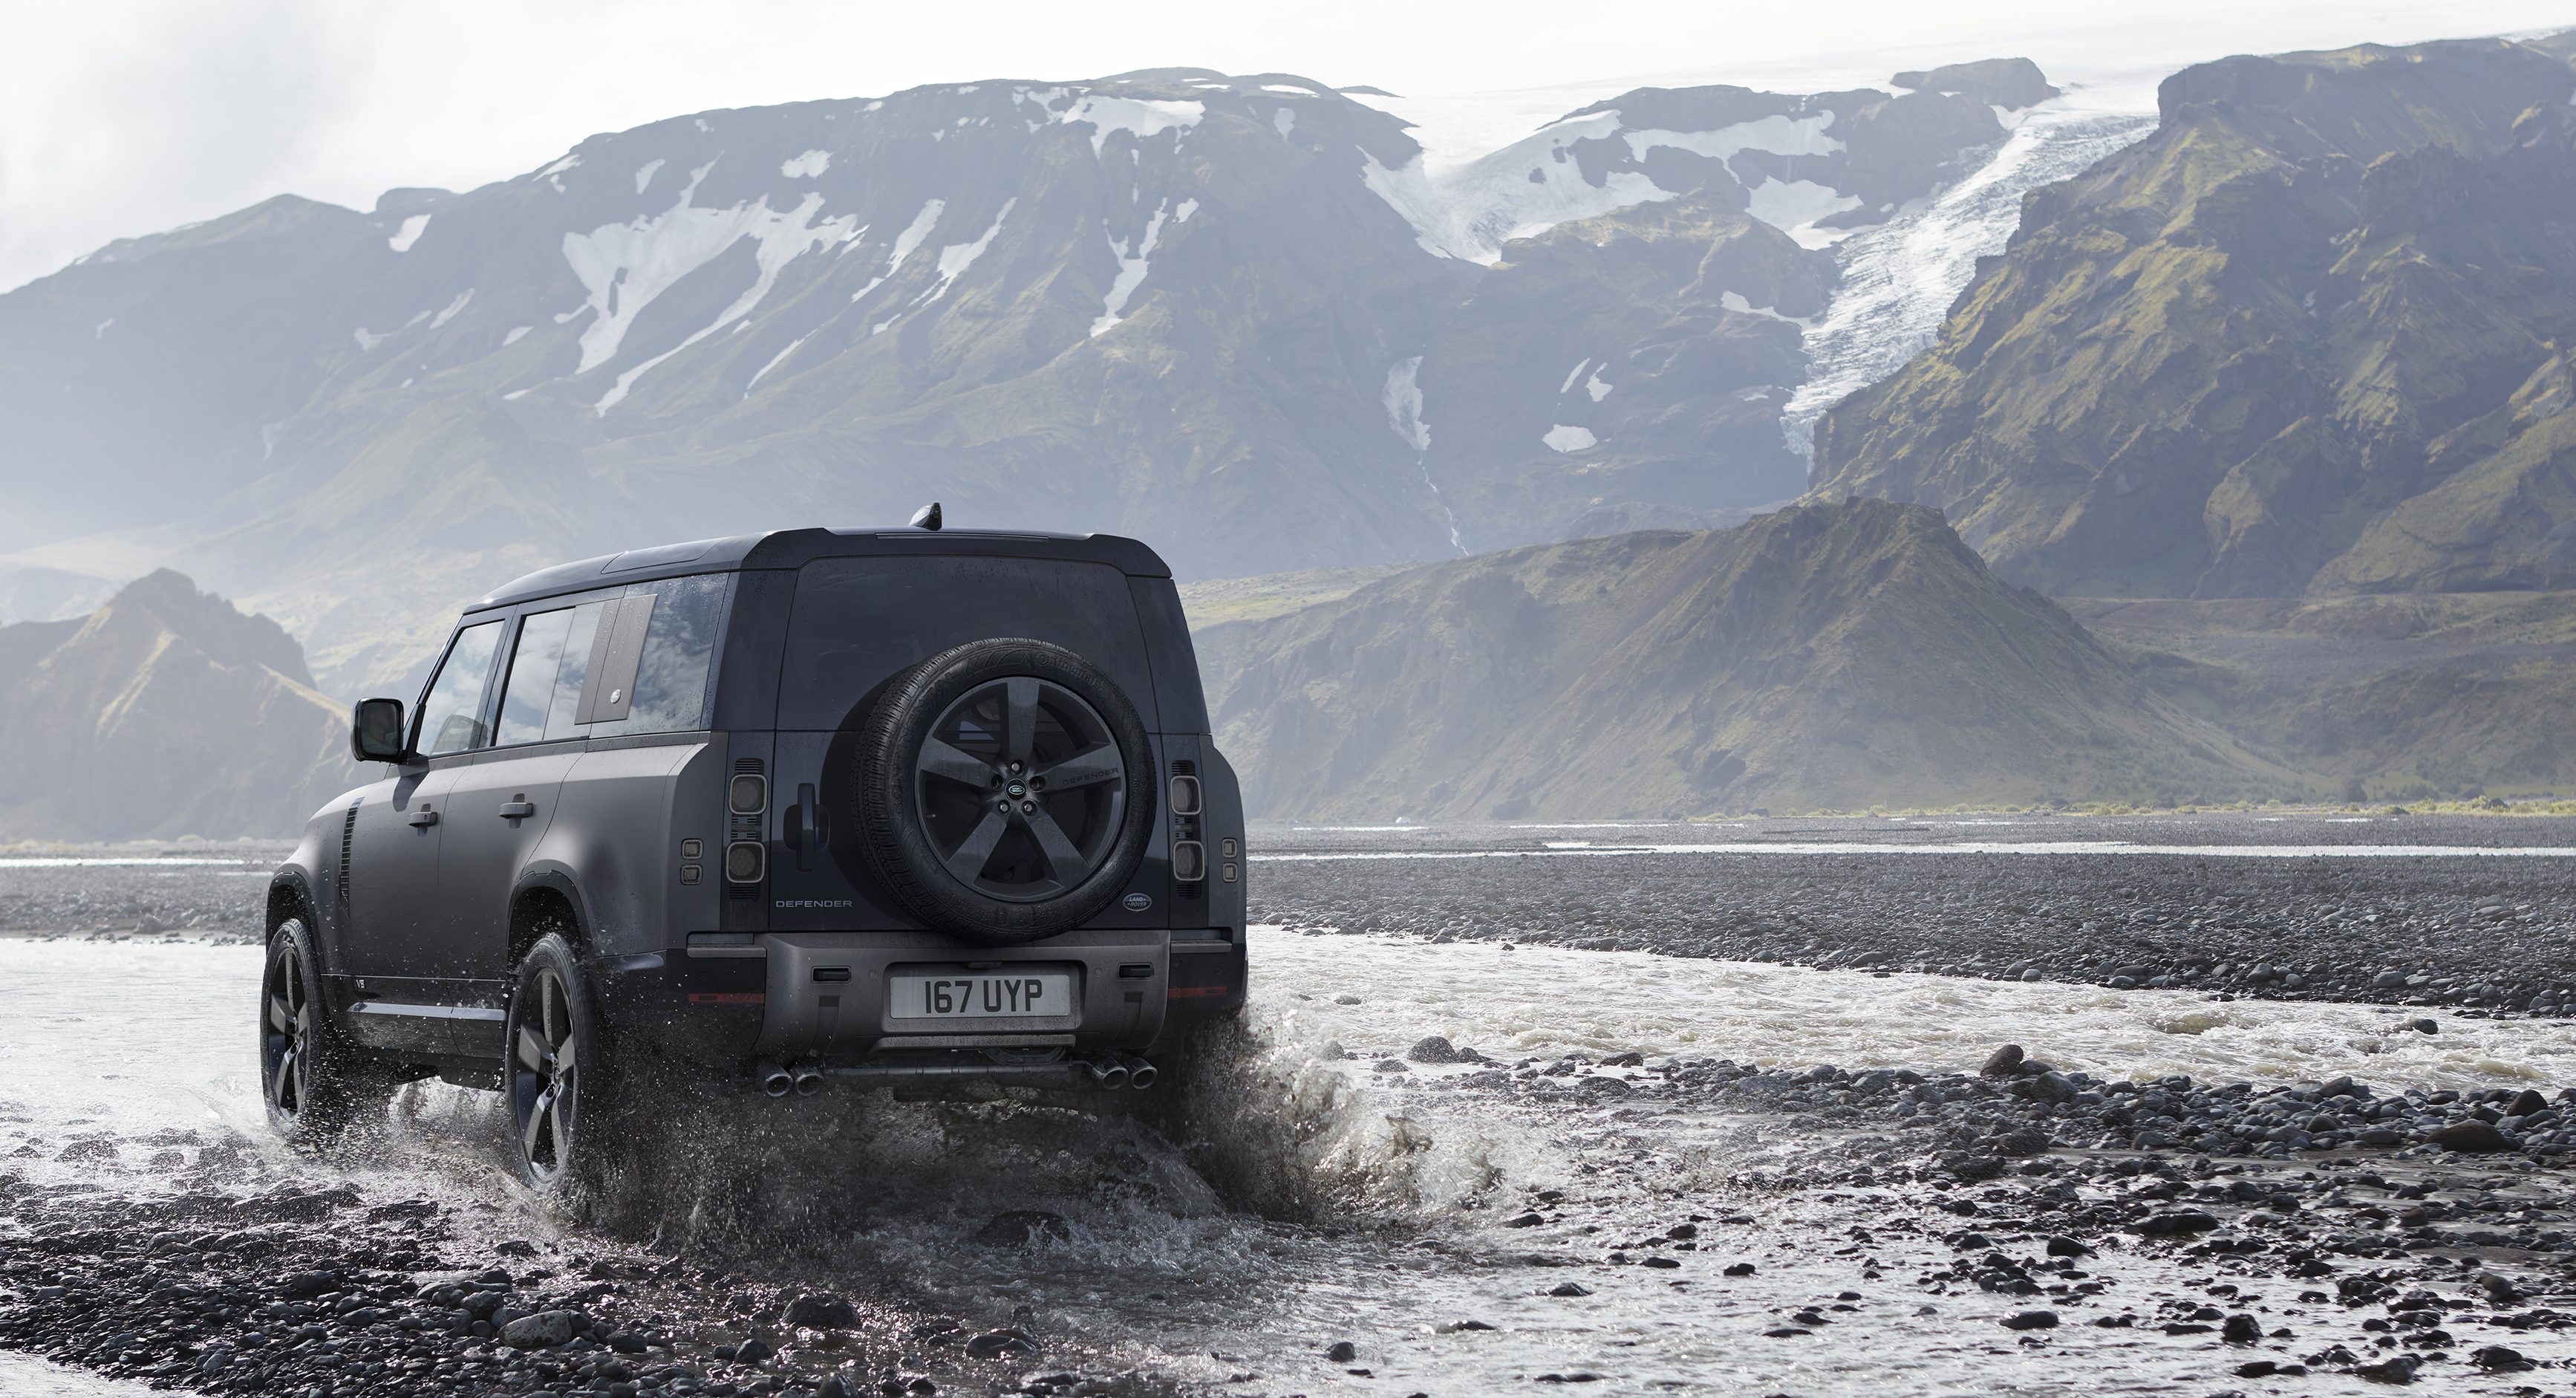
794	548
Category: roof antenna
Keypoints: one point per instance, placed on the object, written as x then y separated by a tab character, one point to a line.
927	517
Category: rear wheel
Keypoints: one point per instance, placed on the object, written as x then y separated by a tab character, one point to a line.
315	1083
565	1136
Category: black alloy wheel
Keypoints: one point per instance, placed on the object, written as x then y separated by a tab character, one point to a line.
287	1033
1004	790
1022	789
313	1083
545	1077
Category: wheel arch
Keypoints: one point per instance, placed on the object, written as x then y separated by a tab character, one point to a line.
546	899
289	896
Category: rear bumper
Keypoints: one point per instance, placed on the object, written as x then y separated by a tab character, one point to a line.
822	997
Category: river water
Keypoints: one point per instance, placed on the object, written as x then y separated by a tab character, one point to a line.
1322	1198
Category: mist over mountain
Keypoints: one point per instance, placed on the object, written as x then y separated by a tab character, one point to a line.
1236	316
2305	337
166	712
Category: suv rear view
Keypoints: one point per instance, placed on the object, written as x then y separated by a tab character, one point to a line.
899	807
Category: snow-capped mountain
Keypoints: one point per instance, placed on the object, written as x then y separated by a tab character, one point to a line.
1235	316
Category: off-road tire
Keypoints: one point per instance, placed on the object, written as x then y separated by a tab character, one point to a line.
1050	857
562	1082
315	1083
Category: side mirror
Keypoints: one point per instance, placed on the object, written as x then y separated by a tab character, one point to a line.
376	730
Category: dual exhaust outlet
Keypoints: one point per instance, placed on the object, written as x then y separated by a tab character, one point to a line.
1106	1071
804	1079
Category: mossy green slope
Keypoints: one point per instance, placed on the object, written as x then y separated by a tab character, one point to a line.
1823	657
2207	365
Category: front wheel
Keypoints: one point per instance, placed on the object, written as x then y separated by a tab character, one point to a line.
558	1077
315	1083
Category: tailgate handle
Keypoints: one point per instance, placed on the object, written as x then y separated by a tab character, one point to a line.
423	816
807	815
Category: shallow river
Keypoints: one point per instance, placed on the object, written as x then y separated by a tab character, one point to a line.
131	1057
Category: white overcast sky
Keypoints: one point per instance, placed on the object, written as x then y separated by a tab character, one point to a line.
120	117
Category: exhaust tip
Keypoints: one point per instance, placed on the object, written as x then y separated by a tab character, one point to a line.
809	1080
774	1080
1141	1074
1112	1076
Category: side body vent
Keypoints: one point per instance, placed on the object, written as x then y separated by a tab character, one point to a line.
340	877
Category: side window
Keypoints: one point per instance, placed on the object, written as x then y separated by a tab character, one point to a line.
656	667
451	713
547	667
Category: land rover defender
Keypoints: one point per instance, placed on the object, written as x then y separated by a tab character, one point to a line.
903	807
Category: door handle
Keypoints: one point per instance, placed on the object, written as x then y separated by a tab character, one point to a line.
517	810
422	817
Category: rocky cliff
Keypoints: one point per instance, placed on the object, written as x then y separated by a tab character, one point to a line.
2306	335
166	712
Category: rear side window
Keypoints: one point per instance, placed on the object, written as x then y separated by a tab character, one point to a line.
451	712
859	621
650	667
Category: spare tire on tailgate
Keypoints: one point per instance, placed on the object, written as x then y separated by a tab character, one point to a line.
1005	790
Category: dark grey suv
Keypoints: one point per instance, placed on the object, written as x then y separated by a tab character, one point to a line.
897	807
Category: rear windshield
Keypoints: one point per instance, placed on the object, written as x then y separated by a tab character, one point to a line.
859	621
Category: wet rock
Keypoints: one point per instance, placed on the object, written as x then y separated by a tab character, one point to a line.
1524	1221
2397	1368
2425	1026
2241	1329
1392	1065
2473	1135
993	1344
754	1350
1019	1228
1437	1049
544	1330
836	1386
2003	1062
2063	1246
2177	1223
1342	1352
2031	1320
1569	1289
821	1310
1739	1269
2499	1359
2526	1102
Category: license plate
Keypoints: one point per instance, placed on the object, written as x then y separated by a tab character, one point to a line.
985	996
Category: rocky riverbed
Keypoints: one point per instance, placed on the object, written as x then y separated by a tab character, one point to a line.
1490	1132
2378	908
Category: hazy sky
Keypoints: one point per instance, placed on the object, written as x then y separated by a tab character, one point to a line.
122	117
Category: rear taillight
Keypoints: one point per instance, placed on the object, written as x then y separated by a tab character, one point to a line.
744	861
1185	794
749	794
1189	861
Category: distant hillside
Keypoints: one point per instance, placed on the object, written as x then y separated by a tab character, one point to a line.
2308	335
1824	657
166	712
2413	696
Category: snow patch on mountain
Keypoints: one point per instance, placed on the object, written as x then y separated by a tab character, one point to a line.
774	361
806	166
644	173
1131	268
408	234
1569	439
955	258
624	266
1403	399
454	308
1138	116
1795	206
